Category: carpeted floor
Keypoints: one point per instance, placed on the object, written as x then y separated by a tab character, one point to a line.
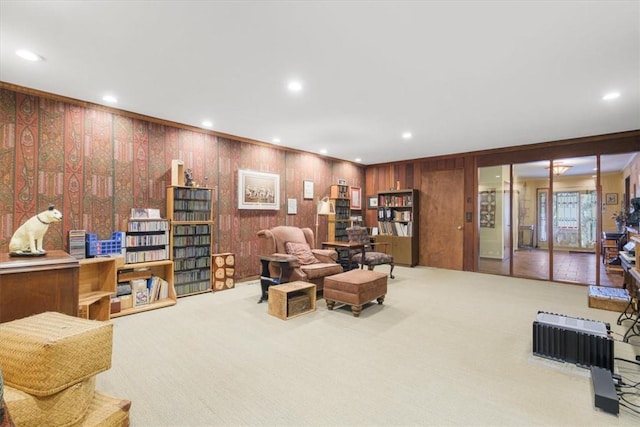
446	348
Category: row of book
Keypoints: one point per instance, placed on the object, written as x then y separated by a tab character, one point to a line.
192	205
191	230
133	257
395	228
146	226
192	216
192	194
393	200
388	214
191	263
135	240
200	240
144	290
183	277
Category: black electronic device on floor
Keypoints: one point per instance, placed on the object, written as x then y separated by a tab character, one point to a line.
604	390
575	340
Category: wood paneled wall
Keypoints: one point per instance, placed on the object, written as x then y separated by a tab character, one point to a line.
406	174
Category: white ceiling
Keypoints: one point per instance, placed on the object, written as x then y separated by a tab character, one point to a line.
460	75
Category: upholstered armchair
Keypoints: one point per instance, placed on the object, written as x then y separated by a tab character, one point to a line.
313	265
372	258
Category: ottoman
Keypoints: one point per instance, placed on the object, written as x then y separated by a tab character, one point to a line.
355	288
48	352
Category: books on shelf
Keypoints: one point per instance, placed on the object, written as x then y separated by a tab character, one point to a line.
140	292
389	214
395	200
145	291
396	228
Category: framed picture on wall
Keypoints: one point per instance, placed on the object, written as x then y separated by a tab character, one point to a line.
258	190
611	198
307	190
372	202
356	198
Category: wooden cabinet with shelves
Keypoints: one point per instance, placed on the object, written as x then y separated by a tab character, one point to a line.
96	285
398	219
126	272
190	210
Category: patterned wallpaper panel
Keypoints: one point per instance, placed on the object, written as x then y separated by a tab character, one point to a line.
95	165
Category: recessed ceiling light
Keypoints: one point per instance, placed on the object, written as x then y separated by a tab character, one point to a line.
295	86
207	123
276	140
323	151
110	98
28	55
406	135
611	95
358	159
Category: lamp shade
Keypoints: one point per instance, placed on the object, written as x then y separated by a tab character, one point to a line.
325	207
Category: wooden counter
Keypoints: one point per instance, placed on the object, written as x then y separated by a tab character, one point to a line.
32	285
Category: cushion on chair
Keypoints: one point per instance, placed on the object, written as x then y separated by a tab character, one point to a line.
319	270
302	251
373	258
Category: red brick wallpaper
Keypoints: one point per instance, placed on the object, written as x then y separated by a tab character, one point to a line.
96	165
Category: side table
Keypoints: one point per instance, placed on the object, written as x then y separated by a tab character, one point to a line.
292	299
265	277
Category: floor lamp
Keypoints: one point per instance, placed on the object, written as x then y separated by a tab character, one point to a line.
324	207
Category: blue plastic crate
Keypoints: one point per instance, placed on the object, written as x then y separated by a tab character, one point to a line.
97	247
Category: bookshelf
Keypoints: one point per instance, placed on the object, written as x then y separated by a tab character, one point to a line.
143	270
341	219
398	220
191	238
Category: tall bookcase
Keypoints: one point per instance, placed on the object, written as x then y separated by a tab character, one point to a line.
398	221
341	218
190	210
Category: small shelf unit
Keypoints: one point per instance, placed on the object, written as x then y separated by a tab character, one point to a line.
162	268
96	285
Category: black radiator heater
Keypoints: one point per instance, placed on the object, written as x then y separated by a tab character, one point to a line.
570	339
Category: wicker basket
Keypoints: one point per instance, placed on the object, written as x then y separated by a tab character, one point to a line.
48	352
107	411
65	408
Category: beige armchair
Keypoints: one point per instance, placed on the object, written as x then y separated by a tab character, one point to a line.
313	265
